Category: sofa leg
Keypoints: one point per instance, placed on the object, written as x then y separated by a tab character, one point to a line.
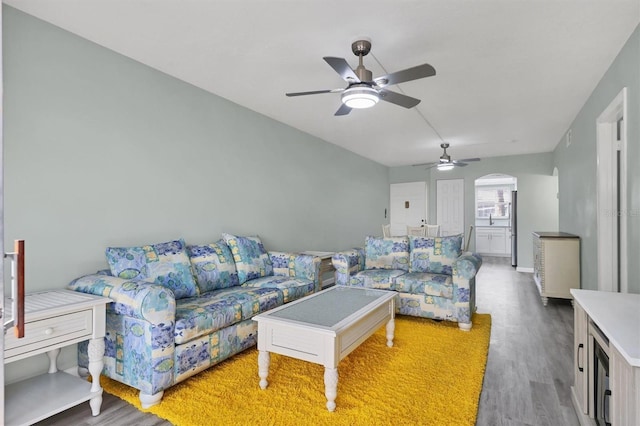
147	400
465	326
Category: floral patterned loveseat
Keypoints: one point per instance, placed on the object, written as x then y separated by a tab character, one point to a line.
433	277
178	309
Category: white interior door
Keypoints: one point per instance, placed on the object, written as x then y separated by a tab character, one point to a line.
450	206
408	206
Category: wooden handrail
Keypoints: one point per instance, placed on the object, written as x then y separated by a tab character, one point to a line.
19	249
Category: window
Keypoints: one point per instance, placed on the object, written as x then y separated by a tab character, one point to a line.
494	200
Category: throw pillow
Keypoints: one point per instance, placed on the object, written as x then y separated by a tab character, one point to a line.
434	254
252	260
386	253
166	264
213	266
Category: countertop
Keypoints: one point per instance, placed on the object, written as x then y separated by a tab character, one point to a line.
618	316
554	234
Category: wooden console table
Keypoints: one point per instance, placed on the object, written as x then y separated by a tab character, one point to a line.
55	319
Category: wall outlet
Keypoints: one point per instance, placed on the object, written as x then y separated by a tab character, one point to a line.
568	138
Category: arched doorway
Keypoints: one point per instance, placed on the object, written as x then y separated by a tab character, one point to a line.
496	216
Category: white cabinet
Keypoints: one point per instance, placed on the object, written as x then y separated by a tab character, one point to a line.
492	241
625	388
580	345
610	320
54	319
556	264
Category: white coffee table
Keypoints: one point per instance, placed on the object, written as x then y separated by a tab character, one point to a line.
323	328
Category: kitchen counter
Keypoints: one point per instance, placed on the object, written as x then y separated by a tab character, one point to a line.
618	316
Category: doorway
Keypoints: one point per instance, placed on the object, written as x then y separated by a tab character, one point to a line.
611	215
495	214
408	202
450	206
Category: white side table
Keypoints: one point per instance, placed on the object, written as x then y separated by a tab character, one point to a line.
326	266
54	319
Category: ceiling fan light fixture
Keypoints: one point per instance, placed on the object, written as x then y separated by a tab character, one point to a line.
445	166
360	96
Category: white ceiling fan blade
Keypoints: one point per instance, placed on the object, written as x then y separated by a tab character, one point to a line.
414	73
343	110
398	98
428	165
314	92
341	66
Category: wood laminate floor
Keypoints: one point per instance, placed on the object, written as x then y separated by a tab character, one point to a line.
529	369
530	366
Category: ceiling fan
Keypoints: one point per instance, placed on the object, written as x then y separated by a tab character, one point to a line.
446	163
364	91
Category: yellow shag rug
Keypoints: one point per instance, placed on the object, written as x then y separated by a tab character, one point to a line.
431	376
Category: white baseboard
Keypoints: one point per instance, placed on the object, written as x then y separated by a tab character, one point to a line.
72	370
527	270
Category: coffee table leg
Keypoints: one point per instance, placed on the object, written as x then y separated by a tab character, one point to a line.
391	326
331	387
263	368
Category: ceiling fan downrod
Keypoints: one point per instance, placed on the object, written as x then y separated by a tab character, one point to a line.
361	48
445	158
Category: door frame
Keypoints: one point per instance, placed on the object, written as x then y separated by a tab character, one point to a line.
606	183
2	314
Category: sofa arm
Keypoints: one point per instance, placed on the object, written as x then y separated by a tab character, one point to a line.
467	265
296	265
347	263
137	299
139	340
465	269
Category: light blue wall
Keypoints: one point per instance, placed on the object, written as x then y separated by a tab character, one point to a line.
577	165
101	150
537	193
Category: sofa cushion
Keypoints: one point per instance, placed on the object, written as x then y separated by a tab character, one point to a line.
376	278
166	264
387	253
221	308
439	285
252	260
434	254
213	266
291	288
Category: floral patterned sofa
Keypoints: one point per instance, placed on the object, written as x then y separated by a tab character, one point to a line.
433	277
179	309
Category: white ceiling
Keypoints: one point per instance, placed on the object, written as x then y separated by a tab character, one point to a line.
511	75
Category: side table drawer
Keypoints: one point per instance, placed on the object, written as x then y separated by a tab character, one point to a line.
48	332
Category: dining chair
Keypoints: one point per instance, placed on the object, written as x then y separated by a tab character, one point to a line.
417	231
432	230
